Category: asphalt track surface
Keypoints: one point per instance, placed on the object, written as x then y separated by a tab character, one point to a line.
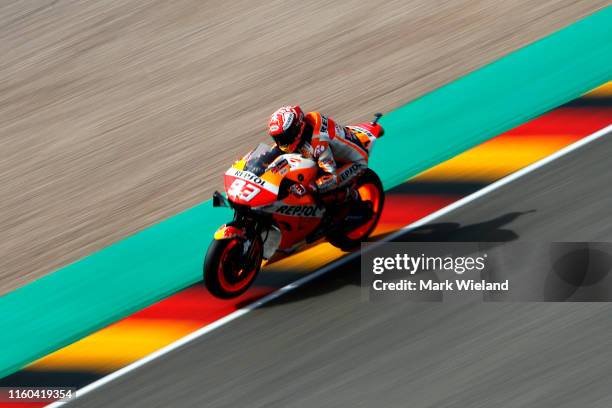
320	345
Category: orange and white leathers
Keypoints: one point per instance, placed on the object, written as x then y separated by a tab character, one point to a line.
337	151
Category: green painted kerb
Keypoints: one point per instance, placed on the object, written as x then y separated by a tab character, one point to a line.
133	273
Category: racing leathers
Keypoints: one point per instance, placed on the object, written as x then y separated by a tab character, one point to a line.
337	150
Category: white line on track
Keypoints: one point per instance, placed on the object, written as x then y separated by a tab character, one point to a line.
266	299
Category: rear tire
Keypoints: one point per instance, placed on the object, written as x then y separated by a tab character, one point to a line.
370	189
226	273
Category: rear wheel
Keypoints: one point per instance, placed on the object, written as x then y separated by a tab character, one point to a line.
372	194
228	270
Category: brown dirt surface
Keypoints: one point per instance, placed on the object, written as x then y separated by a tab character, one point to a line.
117	114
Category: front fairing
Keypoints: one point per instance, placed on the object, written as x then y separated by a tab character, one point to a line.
260	183
260	176
246	188
246	182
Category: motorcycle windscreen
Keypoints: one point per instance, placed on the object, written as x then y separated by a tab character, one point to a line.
259	159
245	187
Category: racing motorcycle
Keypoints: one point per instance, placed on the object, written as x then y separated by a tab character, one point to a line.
271	219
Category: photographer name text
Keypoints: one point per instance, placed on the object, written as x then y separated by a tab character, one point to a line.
432	285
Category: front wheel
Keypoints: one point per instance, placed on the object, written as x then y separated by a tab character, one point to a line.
372	194
231	266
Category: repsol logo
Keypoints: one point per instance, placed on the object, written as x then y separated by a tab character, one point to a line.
350	171
250	177
298	210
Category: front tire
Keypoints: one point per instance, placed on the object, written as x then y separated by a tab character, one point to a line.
228	273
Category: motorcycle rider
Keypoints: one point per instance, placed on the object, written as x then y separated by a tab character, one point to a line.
340	154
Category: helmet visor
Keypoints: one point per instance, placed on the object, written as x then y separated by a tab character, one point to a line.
287	137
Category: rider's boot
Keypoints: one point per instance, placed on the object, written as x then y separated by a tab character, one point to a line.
333	202
339	199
